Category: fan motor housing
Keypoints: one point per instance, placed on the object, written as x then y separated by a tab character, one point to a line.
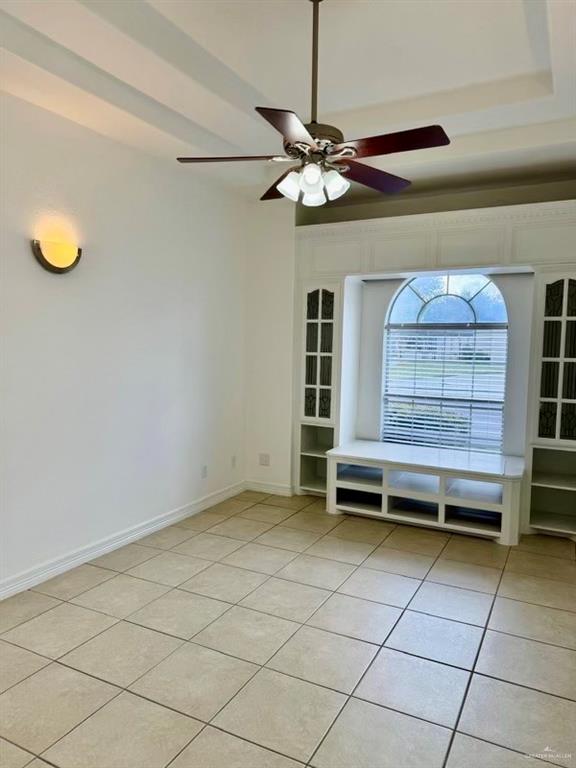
321	131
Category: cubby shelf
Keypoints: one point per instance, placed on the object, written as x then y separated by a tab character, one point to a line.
313	473
550	480
314	487
475	490
553	492
554	522
413	481
359	477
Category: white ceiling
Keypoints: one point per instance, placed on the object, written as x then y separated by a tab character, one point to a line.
178	77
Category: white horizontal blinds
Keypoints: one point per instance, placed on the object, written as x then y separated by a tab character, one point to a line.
445	385
445	374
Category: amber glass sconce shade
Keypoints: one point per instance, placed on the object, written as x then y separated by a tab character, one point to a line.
56	257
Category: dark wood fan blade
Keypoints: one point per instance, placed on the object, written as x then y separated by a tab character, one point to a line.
373	177
402	141
228	159
272	193
289	125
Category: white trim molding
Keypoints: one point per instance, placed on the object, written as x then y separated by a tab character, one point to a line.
534	235
51	568
271	488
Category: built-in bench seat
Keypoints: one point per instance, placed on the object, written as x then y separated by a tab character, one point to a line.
461	491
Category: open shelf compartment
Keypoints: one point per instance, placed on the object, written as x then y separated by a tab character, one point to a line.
553	509
359	474
313	473
413	509
473	519
419	482
363	501
315	440
474	490
553	468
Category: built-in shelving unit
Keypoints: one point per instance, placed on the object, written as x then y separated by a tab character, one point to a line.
461	491
315	429
553	480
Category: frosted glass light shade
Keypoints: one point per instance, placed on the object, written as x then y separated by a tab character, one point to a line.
336	185
56	256
314	198
312	173
290	186
311	179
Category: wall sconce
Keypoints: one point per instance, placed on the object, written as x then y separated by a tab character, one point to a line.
56	257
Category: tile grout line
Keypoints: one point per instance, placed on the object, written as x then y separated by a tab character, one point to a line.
301	624
184	640
377	546
260	668
128	619
472	671
350	696
285	642
123	689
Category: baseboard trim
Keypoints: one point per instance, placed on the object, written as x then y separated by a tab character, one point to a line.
48	570
276	489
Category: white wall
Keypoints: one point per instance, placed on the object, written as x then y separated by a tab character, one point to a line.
125	376
352	304
376	298
517	290
269	348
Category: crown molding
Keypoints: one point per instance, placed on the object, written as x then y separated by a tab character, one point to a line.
553	212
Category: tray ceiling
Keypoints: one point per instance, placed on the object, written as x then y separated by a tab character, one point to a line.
171	77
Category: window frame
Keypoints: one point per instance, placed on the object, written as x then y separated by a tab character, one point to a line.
424	326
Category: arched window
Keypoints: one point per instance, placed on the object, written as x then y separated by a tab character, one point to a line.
444	377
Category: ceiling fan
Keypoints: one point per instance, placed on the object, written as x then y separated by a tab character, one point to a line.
325	161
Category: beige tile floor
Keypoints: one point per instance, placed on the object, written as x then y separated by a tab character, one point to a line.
264	633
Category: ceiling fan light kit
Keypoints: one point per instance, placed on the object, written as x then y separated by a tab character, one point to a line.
290	186
326	184
326	163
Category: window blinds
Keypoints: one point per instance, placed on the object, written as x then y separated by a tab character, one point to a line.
444	385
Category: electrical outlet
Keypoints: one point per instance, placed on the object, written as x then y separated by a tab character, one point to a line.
233	462
264	459
204	472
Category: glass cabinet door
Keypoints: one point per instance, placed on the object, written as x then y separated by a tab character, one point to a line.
557	410
318	353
